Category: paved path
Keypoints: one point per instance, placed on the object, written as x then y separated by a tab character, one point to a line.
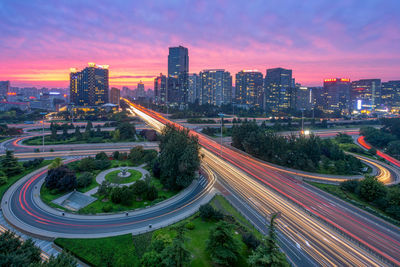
102	176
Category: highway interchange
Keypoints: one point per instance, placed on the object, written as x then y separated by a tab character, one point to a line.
314	227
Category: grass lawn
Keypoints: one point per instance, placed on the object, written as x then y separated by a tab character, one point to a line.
113	177
355	200
126	251
13	179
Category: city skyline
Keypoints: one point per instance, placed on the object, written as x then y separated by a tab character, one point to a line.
348	39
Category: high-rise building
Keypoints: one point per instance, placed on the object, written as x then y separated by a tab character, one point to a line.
278	89
194	88
160	89
304	98
365	94
216	87
114	96
89	87
249	88
337	94
390	95
140	90
4	89
178	72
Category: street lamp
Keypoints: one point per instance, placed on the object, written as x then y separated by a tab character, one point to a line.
44	117
221	115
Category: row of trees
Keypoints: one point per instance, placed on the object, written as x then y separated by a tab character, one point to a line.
304	153
124	131
17	253
15	115
6	131
376	193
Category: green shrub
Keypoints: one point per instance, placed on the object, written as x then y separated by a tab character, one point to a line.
190	226
107	208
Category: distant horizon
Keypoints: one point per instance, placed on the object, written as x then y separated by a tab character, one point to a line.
317	39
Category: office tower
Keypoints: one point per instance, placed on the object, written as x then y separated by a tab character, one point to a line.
140	90
337	94
318	97
304	98
216	87
278	89
178	80
249	88
194	88
89	87
366	94
390	94
4	89
160	89
114	96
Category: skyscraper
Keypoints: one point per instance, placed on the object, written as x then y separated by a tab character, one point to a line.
304	98
216	87
160	89
390	95
337	94
89	87
114	96
178	69
365	94
278	89
140	90
4	89
194	88
249	88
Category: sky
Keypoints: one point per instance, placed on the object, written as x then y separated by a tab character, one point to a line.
41	40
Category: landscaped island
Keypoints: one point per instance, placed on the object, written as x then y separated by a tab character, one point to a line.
307	153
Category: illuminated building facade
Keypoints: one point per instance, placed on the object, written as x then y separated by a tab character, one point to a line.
4	89
249	88
114	96
194	88
279	88
366	94
390	95
337	94
160	89
304	97
89	87
140	90
178	75
216	87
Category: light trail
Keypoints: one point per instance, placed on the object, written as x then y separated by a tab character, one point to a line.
277	193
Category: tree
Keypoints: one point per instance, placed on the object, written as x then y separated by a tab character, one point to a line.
14	252
9	164
207	212
78	134
151	193
136	154
176	254
89	127
116	135
3	178
268	253
222	246
84	180
57	162
115	155
151	259
101	156
87	164
127	131
139	188
62	260
61	178
371	189
179	157
116	195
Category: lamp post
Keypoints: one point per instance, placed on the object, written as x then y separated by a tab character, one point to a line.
44	117
221	115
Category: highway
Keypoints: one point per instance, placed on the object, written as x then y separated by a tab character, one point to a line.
332	232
